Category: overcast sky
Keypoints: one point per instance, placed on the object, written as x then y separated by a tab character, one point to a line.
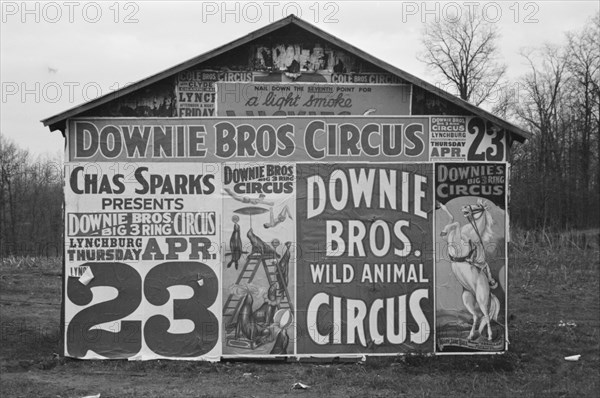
57	55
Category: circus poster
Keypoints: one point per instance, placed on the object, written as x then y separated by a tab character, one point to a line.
471	257
142	261
258	280
365	271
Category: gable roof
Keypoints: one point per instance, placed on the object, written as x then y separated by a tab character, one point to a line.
58	122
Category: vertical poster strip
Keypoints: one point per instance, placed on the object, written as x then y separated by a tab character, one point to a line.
196	94
508	239
435	249
259	227
143	264
63	345
365	262
471	274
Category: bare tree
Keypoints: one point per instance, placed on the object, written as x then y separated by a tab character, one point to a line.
464	51
584	65
30	202
543	109
506	102
556	174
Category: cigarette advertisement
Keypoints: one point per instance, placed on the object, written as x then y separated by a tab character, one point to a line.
275	99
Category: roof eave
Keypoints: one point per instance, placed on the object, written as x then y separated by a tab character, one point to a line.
57	122
61	117
415	80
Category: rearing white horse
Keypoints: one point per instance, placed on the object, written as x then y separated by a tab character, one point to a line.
467	254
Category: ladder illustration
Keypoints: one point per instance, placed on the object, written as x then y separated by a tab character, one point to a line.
274	275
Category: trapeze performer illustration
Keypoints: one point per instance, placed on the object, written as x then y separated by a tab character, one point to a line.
283	214
246	199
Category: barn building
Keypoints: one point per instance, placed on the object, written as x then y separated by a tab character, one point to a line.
284	195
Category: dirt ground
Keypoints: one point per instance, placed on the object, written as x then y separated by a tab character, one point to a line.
554	312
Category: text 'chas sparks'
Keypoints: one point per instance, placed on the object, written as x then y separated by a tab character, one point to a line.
176	184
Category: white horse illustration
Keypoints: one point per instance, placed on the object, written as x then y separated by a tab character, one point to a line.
467	254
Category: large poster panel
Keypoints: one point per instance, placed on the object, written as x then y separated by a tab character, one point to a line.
142	260
272	139
259	226
285	139
471	273
283	236
365	259
277	99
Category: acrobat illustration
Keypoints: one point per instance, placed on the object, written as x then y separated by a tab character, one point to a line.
283	214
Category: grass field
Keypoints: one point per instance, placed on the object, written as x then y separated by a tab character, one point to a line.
554	312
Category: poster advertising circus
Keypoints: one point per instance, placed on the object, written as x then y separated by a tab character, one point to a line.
330	239
462	139
365	271
471	272
258	280
142	260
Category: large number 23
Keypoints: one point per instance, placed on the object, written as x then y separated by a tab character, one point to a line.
493	153
127	342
